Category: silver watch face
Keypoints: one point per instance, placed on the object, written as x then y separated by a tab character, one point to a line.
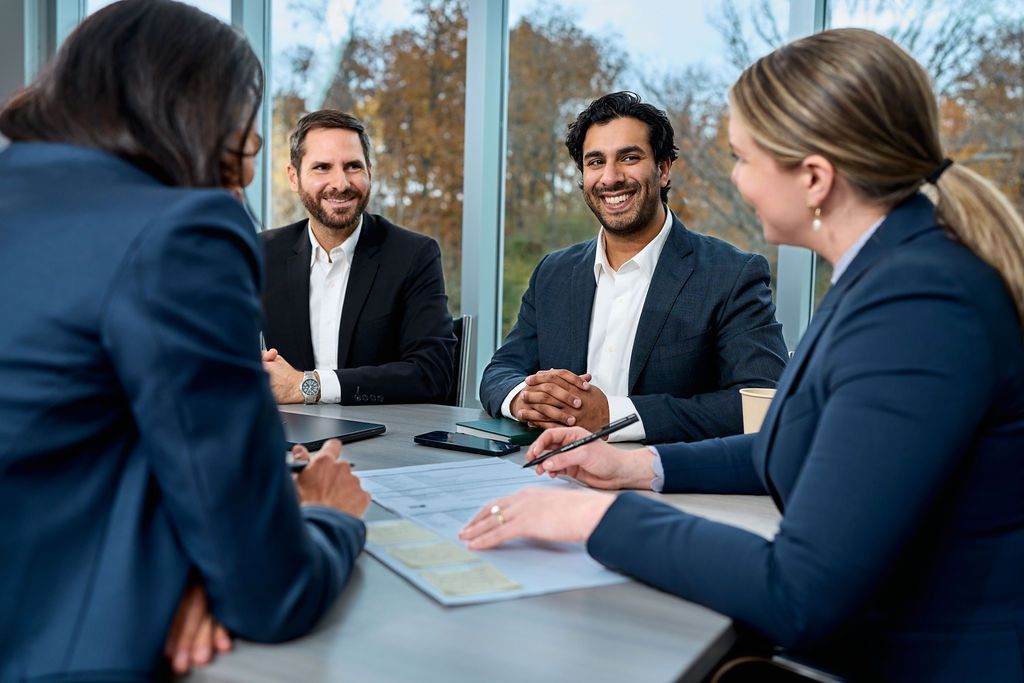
309	387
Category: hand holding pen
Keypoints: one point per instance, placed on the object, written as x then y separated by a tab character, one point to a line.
584	440
574	452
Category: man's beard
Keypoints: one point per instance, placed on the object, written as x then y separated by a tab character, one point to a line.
645	206
342	221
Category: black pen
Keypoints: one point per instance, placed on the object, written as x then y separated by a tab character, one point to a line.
299	465
603	431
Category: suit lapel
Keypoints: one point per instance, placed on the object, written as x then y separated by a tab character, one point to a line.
675	266
297	284
790	379
365	262
581	308
906	221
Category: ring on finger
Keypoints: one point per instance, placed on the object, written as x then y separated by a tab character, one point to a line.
497	514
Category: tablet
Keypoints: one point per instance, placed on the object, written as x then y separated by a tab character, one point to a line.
312	430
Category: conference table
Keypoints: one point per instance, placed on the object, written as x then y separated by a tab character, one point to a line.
381	628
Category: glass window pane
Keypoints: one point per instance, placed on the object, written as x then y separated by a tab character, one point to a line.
218	8
401	68
974	52
679	56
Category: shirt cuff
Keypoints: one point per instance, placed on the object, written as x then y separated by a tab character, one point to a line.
330	386
618	408
658	483
506	405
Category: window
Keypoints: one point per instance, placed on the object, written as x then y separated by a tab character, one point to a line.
218	8
401	68
974	53
681	57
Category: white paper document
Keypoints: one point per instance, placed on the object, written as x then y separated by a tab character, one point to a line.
436	501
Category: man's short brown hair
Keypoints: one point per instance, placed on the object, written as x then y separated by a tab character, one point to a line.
325	118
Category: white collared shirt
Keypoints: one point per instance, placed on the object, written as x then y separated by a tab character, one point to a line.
328	281
618	303
847	258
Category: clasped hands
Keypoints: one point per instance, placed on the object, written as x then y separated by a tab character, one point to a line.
559	515
559	398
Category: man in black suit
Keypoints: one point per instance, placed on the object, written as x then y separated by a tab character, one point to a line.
648	317
354	303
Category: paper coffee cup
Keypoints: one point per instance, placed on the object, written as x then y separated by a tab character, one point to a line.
755	404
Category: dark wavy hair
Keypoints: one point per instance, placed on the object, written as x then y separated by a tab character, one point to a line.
157	83
618	105
325	118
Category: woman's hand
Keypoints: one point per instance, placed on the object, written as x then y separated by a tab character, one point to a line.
329	481
540	513
597	464
195	635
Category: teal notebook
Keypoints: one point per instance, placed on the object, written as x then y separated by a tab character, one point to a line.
499	429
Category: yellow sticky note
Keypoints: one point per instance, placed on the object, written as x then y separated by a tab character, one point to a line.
431	554
480	578
388	532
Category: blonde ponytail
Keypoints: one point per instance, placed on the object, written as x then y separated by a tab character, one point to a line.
980	216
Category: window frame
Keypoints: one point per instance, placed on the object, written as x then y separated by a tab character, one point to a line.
50	21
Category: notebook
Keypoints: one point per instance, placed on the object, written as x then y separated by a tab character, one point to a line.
500	429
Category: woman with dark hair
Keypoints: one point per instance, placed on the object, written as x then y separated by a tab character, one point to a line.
895	444
141	453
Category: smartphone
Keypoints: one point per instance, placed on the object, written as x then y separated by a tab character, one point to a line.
465	443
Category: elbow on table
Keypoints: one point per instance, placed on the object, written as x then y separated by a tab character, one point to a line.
282	619
805	620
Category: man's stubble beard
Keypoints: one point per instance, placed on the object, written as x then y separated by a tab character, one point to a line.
314	206
646	206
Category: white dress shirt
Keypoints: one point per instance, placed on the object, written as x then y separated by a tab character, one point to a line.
328	280
618	303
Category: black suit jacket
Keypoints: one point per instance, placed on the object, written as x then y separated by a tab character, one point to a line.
707	328
395	341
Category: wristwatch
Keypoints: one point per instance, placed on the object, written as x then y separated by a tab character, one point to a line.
310	387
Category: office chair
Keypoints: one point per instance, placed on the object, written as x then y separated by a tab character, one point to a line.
463	328
774	670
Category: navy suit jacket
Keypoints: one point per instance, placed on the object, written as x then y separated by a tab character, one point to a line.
707	328
139	441
395	341
895	450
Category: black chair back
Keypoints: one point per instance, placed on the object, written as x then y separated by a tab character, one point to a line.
463	328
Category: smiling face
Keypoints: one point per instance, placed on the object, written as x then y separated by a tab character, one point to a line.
621	180
333	178
778	195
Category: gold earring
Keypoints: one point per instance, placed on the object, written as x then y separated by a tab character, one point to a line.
816	223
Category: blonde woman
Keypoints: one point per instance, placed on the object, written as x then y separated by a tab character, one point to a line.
895	447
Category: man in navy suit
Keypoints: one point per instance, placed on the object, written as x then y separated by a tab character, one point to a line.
648	318
354	303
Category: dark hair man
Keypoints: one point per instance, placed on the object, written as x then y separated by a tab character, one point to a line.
355	301
648	317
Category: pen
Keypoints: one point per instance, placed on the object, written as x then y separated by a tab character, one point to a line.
603	431
299	465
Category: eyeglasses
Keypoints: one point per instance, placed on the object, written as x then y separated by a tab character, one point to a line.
253	145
